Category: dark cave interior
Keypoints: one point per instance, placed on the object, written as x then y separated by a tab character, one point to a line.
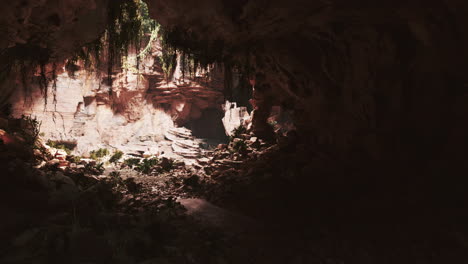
355	150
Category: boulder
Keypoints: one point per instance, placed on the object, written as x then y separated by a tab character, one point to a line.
61	157
64	190
53	162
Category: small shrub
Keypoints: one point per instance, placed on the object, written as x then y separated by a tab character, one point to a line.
166	165
96	169
116	157
76	159
67	146
116	180
132	162
146	165
237	132
97	154
240	146
100	168
114	174
29	129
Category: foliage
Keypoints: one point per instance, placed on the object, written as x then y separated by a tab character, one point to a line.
128	23
27	62
240	146
97	154
146	165
116	180
132	162
114	174
68	147
76	159
30	129
96	169
237	132
116	156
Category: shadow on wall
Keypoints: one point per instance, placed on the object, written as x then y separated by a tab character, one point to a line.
209	125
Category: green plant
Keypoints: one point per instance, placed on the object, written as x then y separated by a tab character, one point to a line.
240	146
116	180
237	132
95	169
99	167
68	147
76	159
116	156
114	174
146	165
97	154
132	162
30	129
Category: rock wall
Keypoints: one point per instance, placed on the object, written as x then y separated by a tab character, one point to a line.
385	80
132	115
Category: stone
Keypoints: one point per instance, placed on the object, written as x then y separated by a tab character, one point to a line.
165	164
53	162
40	165
65	190
64	163
234	117
37	152
61	157
192	181
52	151
221	146
61	152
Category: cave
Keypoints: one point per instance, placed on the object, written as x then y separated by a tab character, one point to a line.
214	131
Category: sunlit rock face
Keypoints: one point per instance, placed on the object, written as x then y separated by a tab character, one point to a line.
384	79
134	115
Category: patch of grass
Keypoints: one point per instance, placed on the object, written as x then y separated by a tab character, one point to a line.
76	159
116	156
67	146
96	169
97	154
146	165
132	162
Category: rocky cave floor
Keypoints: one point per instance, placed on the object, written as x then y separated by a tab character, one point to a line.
241	203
